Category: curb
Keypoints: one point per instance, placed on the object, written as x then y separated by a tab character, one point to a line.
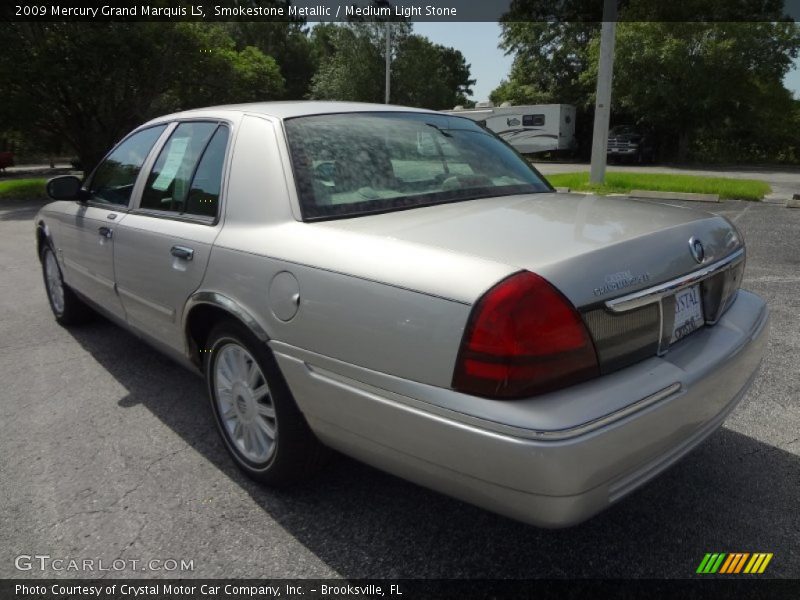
673	196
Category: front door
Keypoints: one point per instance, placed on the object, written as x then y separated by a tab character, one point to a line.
163	245
86	240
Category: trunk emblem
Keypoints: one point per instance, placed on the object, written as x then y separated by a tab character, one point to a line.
697	249
615	282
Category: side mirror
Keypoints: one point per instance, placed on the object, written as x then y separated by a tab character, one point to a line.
64	187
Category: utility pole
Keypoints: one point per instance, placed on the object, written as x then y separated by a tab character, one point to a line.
388	60
388	57
605	74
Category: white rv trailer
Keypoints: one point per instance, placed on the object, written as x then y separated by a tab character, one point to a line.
529	128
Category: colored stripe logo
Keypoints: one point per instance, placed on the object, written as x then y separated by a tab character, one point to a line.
734	563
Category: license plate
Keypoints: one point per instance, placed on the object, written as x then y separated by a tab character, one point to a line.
688	313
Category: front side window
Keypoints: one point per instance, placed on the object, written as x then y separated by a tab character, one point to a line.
113	180
187	174
359	163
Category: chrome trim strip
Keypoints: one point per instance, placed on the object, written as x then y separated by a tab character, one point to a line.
154	306
231	306
104	281
656	293
663	339
627	483
563	434
360	387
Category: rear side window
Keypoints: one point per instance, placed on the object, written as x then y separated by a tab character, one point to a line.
204	191
112	181
187	174
533	120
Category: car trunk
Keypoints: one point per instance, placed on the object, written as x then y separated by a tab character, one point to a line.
593	249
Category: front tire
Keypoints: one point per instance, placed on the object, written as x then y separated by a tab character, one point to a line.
67	307
262	428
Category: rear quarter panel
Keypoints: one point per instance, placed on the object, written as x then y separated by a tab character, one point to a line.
373	325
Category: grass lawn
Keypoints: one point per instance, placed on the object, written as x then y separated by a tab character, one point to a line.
616	183
22	189
622	183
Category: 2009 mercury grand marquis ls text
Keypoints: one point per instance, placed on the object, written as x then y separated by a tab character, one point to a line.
400	285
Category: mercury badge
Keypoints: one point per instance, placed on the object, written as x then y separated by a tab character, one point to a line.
619	281
697	250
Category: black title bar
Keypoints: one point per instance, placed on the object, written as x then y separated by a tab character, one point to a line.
411	10
739	587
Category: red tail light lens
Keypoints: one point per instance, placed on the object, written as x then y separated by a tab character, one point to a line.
523	338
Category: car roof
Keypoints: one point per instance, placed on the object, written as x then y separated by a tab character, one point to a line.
290	109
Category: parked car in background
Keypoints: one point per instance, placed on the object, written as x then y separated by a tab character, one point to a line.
6	160
398	284
629	144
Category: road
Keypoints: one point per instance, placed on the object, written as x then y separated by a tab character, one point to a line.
109	452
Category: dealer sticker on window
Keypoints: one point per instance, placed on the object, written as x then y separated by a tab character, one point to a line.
688	313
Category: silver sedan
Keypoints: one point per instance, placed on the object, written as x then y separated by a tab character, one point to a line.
401	286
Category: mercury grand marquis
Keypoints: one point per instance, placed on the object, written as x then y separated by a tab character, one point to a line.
401	286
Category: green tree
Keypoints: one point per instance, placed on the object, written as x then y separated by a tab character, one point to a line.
706	87
87	84
455	72
352	66
689	81
429	75
549	59
220	73
288	44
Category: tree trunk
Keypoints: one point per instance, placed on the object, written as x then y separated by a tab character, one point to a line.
88	157
683	146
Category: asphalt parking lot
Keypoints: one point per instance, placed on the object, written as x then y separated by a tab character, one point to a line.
109	452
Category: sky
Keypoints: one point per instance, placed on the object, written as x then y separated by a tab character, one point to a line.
478	44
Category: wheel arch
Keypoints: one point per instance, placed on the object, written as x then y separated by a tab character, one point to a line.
42	237
206	309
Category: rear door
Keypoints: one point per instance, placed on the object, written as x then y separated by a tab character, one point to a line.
162	249
85	243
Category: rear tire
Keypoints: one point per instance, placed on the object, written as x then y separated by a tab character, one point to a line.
67	307
261	426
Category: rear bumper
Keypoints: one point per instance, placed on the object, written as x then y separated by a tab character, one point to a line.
551	461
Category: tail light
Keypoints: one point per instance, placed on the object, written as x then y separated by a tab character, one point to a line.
523	338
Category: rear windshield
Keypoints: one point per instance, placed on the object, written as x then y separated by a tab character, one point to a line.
360	163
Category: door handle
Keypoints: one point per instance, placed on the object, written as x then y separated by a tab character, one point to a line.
182	252
106	232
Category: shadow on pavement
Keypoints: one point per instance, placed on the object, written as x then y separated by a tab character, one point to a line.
733	494
20	210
